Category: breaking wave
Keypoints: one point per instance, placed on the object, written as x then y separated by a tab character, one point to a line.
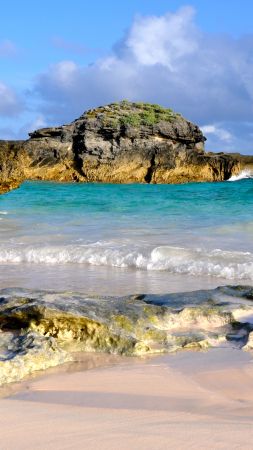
179	260
242	175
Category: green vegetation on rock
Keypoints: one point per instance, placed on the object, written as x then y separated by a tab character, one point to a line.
135	114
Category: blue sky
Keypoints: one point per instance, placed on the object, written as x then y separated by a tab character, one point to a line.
59	58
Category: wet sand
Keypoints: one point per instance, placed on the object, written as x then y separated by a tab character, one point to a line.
191	400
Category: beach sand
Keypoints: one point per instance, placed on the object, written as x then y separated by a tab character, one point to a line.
190	400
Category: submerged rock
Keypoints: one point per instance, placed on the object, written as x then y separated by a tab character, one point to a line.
43	329
119	143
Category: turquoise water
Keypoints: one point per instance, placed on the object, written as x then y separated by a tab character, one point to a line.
156	233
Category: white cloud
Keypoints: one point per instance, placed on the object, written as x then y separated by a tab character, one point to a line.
161	59
164	59
163	40
10	104
217	131
64	72
39	122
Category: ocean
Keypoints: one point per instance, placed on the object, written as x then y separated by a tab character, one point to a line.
123	269
121	239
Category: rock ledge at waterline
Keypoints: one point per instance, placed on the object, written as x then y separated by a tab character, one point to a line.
118	143
41	329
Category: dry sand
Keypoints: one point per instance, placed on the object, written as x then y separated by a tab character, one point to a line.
187	401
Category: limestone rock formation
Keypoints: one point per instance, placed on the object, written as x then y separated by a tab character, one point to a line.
13	159
119	143
40	329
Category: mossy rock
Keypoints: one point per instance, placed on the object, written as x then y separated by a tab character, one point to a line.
135	114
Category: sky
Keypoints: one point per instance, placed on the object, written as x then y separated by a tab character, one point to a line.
58	59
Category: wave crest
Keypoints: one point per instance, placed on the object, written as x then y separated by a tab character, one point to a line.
196	262
246	173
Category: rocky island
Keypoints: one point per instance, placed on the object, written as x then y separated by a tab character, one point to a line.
119	143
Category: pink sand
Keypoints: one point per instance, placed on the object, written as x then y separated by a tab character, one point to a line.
188	401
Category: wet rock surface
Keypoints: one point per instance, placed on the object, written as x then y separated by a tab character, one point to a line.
40	329
118	143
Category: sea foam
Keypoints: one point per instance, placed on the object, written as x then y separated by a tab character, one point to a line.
192	261
242	175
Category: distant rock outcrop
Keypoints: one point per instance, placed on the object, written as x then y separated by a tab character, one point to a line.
119	143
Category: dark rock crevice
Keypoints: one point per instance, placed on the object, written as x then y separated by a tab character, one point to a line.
149	175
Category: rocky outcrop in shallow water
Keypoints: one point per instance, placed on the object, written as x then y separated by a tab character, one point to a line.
43	329
119	143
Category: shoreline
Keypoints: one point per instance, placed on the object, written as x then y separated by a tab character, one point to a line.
186	254
185	400
43	329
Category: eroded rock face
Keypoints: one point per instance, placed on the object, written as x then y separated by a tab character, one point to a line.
40	329
120	143
115	144
46	156
13	159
